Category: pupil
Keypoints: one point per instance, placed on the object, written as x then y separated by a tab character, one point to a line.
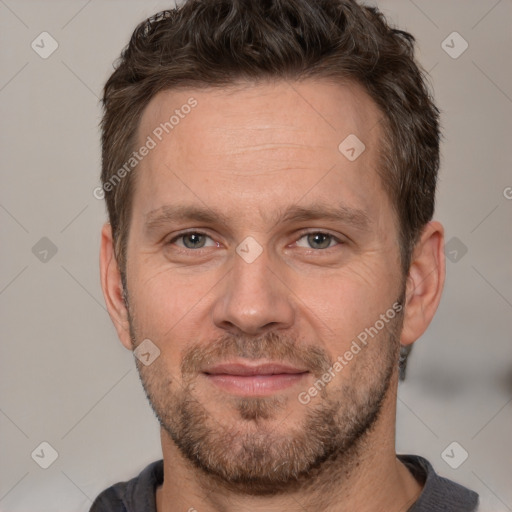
320	240
193	240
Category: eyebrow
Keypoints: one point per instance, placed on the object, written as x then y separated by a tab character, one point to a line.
317	211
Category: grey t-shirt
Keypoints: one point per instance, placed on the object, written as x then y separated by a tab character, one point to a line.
439	494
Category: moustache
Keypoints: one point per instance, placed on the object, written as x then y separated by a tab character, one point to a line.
272	346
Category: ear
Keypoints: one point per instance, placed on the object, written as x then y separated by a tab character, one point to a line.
113	288
425	282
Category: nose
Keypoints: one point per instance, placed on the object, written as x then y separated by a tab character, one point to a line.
253	299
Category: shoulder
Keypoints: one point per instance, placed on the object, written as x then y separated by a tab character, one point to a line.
137	494
439	494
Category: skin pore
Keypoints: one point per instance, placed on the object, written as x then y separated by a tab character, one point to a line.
254	240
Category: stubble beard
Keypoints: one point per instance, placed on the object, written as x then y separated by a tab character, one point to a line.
255	454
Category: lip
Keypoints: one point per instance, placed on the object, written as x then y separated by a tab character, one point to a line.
243	369
254	380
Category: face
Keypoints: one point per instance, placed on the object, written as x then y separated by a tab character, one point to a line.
264	265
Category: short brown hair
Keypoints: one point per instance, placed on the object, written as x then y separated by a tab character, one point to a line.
216	43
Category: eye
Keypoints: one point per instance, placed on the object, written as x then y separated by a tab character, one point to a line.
318	240
193	240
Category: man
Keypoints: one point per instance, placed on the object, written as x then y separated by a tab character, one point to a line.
269	170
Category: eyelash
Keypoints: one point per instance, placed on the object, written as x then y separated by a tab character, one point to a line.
301	235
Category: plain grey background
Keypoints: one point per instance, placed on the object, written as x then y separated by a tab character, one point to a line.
67	381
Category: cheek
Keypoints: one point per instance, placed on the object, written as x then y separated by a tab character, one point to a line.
342	305
167	305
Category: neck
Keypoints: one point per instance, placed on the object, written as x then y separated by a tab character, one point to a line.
367	478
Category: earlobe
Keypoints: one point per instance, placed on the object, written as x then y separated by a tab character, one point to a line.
112	287
425	282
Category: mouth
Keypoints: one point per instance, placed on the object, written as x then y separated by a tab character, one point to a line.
254	380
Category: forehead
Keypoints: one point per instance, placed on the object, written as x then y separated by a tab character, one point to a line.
271	110
276	142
